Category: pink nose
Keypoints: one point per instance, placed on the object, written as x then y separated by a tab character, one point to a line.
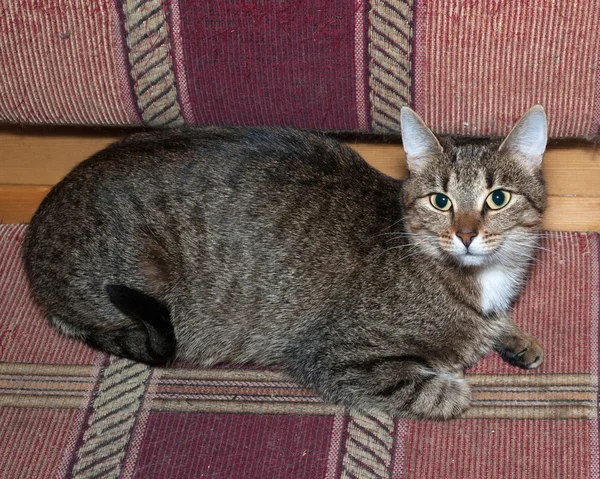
466	236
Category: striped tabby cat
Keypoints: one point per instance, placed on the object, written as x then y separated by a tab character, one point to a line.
281	247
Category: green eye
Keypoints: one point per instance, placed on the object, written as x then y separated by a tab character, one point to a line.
498	199
440	202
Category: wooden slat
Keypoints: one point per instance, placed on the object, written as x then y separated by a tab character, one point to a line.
19	202
573	213
40	159
568	213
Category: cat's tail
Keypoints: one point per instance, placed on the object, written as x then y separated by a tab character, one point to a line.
151	340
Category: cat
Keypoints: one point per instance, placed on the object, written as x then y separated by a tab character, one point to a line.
276	246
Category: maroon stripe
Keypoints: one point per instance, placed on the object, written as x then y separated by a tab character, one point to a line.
235	446
260	62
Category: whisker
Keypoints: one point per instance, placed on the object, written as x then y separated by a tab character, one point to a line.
396	233
401	245
535	235
394	223
409	255
431	237
532	258
537	247
399	233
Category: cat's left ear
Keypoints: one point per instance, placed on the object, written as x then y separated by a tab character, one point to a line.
527	140
419	142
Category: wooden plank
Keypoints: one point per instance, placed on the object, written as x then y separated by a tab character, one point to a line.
573	213
43	159
568	213
18	203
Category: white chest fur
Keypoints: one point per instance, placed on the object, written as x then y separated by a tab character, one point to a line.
498	288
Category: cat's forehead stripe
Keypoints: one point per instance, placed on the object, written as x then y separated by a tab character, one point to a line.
468	189
468	153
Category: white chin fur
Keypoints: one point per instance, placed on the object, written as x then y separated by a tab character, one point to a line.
477	252
471	259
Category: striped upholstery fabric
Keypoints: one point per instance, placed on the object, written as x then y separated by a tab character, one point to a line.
67	411
468	68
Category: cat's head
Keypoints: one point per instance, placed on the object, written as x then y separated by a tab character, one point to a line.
476	203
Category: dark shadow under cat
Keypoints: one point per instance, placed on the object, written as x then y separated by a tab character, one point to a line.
278	246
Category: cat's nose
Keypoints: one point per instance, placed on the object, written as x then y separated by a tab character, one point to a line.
466	236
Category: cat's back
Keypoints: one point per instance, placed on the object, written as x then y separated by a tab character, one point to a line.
226	186
176	160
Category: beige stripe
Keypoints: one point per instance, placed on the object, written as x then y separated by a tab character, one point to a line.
496	407
534	396
318	409
533	412
226	390
47	369
389	65
223	375
130	464
368	445
151	62
507	380
46	401
116	406
510	380
228	375
272	392
66	385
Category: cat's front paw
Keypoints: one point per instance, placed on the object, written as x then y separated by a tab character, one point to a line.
522	351
441	396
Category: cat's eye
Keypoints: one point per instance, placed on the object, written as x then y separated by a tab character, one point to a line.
498	199
440	201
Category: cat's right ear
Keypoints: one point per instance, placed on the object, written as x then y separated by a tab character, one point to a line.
418	141
527	140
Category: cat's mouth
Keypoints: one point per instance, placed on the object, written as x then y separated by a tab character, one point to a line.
476	253
469	258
